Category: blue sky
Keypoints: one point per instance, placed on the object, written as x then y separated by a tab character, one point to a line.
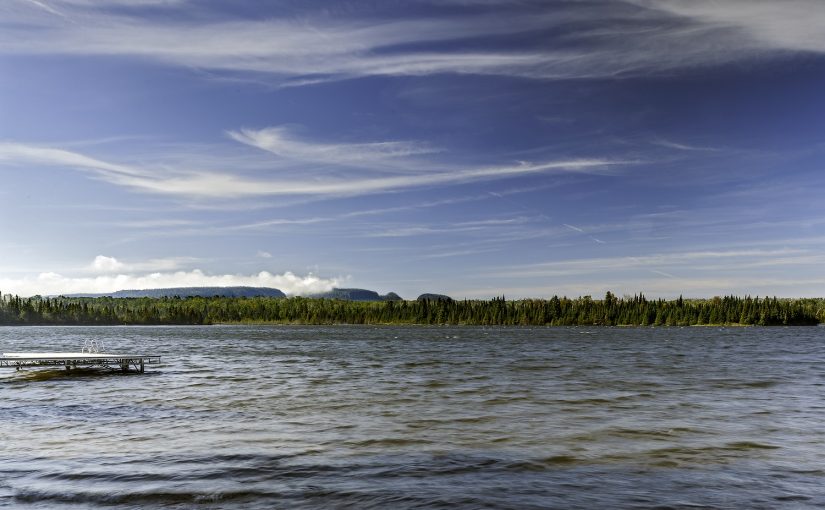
470	147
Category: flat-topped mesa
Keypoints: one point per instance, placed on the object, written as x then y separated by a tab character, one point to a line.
434	297
356	295
188	292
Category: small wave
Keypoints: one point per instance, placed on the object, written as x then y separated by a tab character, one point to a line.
661	434
792	497
440	466
318	497
544	464
474	419
531	368
503	400
424	363
153	498
815	472
750	445
447	421
388	441
587	401
740	384
709	452
760	384
193	460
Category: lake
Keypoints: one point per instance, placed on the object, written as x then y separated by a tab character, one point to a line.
420	417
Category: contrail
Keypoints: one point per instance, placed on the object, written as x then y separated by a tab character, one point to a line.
47	8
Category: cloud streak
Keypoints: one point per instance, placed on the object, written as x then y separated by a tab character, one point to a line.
382	155
790	25
608	39
277	140
190	183
683	261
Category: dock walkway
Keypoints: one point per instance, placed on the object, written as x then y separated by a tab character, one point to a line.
19	360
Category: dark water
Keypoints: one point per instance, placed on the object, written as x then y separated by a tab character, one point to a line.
361	417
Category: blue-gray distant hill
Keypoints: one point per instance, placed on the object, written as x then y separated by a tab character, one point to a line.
434	297
357	295
191	292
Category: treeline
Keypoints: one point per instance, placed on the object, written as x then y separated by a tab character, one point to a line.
610	311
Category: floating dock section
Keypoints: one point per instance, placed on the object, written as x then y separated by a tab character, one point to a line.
124	362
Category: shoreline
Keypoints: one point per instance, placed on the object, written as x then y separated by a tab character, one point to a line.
412	325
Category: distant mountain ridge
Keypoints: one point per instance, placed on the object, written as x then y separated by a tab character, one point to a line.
184	292
190	292
434	297
357	295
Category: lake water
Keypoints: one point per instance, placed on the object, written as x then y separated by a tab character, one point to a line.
414	417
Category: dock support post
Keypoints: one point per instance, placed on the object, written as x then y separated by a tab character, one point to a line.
141	365
68	367
124	365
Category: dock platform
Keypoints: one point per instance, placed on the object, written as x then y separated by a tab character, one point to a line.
70	360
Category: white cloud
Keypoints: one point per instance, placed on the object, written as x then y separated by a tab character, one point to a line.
50	283
683	147
46	7
264	254
280	142
18	153
618	38
481	226
793	25
104	265
192	183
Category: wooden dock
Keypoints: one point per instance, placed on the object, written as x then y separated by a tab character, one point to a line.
70	360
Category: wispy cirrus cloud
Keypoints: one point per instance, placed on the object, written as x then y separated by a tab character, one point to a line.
186	182
556	40
790	25
700	273
485	227
12	153
668	144
681	259
279	141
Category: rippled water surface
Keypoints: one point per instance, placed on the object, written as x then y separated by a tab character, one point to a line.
410	417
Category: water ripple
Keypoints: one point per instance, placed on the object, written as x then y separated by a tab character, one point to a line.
389	417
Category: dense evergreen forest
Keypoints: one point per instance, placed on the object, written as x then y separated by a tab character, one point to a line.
610	311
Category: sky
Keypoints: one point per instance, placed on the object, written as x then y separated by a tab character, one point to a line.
475	148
